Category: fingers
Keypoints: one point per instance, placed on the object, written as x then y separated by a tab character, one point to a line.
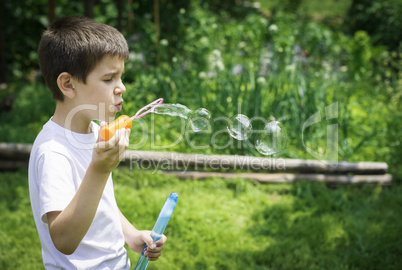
107	154
112	151
124	142
126	137
119	141
161	241
121	138
155	249
102	125
152	256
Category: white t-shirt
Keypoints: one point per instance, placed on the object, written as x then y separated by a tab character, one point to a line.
57	165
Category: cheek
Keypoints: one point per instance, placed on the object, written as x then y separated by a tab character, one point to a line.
101	93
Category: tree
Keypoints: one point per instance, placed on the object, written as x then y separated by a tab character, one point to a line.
2	54
380	19
51	9
119	6
88	8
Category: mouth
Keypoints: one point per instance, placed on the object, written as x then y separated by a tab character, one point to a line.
119	106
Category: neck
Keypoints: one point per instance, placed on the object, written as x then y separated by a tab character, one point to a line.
71	118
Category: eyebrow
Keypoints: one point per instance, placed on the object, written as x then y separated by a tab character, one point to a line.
111	73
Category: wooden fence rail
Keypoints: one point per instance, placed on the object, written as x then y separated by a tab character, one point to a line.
384	180
235	162
198	166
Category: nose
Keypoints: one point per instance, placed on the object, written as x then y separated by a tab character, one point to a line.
120	88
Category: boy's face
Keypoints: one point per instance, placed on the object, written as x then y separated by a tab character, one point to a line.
102	91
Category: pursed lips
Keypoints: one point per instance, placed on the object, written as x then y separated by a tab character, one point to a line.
119	106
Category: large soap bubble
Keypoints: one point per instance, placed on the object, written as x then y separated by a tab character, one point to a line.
239	127
199	120
173	110
272	139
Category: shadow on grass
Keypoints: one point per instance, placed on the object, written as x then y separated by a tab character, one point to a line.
346	228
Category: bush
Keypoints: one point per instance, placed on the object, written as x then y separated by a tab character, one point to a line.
31	109
380	19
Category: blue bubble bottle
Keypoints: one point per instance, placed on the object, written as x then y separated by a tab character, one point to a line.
159	227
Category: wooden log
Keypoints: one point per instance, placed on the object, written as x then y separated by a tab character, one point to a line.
15	151
176	161
287	178
181	161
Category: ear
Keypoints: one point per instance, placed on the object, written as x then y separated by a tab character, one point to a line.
65	84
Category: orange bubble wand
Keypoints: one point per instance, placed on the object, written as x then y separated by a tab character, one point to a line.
125	121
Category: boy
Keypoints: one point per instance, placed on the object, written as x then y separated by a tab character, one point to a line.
71	189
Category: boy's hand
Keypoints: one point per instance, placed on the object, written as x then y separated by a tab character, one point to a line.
108	154
154	249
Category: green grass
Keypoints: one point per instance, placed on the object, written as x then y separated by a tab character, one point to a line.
235	224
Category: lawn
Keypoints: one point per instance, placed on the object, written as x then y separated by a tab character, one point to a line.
234	224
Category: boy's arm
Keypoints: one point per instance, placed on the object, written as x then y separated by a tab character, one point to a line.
68	227
136	240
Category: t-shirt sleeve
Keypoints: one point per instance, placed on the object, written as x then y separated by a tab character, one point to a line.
55	179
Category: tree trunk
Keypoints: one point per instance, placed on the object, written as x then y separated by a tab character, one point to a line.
119	6
51	6
2	49
130	16
157	28
88	8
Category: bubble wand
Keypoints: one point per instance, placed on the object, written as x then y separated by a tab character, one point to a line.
125	121
159	227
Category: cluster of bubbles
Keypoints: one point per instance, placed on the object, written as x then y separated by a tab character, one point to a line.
270	140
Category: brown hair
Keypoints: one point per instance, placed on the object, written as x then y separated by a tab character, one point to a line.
76	45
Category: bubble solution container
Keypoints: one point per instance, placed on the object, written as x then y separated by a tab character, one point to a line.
159	227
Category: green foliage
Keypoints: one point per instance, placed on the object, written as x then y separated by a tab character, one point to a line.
380	19
32	108
234	224
22	28
284	68
316	8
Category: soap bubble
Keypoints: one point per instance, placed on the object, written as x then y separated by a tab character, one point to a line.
199	120
272	140
239	127
173	110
